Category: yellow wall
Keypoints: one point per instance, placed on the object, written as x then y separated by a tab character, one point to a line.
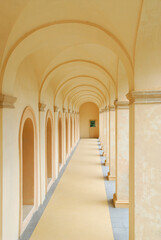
89	111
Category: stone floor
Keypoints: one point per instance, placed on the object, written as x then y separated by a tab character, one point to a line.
119	216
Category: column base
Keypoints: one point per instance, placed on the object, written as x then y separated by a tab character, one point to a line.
103	154
106	163
119	203
110	178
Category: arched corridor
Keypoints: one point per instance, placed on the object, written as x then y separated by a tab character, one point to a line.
76	76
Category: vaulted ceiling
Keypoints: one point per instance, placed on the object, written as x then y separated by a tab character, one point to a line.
80	50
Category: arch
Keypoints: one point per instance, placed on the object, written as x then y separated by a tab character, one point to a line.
60	141
49	149
113	42
107	73
86	92
76	77
100	94
28	167
86	97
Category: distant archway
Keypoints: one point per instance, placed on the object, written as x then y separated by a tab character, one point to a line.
28	167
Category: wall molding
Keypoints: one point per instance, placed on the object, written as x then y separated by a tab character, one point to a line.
121	104
64	110
120	203
106	109
112	107
56	109
7	101
144	97
42	107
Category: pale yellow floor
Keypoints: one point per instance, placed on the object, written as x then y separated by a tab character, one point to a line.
78	209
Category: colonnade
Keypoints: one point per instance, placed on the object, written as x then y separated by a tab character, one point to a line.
39	171
131	149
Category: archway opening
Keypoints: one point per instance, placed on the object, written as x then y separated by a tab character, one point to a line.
89	120
60	141
27	168
49	151
66	136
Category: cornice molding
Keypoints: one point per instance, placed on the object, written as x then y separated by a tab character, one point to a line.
144	97
64	110
56	109
7	101
106	109
42	107
121	104
111	107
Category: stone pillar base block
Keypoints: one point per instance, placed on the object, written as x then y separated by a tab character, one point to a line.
111	178
120	203
106	163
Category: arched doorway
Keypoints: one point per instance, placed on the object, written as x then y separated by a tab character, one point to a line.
49	144
60	141
28	167
71	132
66	135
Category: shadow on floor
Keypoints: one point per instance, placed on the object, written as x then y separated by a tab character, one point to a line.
119	216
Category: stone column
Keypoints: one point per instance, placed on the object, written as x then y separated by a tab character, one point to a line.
69	132
6	104
121	197
106	112
64	136
56	112
111	174
70	116
72	130
102	128
42	157
145	165
78	115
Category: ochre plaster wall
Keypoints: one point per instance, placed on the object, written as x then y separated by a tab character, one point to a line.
89	111
28	163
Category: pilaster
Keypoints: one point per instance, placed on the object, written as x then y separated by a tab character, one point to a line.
121	197
111	174
56	112
145	165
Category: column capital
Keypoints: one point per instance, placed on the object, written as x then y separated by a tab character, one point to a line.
42	107
111	107
64	110
144	97
106	109
121	104
7	101
56	109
